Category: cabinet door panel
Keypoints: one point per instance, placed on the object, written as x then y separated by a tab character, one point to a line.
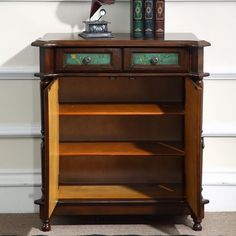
52	144
193	160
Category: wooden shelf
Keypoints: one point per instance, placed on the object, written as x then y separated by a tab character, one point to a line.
121	109
121	148
121	192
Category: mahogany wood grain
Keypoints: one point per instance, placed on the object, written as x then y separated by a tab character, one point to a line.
53	145
129	136
119	40
193	162
123	209
119	89
194	75
47	60
116	192
121	128
120	148
120	109
121	162
122	169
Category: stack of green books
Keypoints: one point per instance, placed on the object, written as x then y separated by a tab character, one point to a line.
147	19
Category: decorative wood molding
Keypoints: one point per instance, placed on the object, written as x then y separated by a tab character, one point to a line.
219	130
18	73
20	131
226	177
20	178
221	76
27	73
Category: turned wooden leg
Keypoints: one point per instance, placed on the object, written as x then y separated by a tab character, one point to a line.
46	226
197	225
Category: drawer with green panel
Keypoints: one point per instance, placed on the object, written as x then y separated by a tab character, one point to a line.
156	59
88	59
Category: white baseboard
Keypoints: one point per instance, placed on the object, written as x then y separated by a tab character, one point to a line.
19	199
222	198
19	189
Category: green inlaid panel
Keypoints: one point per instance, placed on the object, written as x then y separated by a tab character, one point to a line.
163	58
96	58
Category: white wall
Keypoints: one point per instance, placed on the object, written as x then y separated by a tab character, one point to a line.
23	22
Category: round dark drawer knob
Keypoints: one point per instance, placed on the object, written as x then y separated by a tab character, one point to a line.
87	60
154	60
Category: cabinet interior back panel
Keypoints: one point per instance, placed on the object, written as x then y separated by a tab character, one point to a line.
121	128
120	89
120	169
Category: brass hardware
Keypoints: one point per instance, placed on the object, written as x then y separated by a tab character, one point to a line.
86	60
154	60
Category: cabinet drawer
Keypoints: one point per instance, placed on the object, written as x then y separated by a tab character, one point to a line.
89	59
158	60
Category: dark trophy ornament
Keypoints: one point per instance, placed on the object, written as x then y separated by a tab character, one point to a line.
97	28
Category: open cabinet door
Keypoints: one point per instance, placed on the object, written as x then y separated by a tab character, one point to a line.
52	144
193	148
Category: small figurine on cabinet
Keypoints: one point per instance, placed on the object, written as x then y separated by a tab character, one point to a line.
97	28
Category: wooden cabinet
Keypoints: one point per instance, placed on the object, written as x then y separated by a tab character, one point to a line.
121	126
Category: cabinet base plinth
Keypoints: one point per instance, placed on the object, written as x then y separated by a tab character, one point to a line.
70	207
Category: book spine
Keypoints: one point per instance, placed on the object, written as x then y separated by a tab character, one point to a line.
148	19
160	19
137	19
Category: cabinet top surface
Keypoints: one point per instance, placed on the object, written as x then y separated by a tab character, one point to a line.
73	39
